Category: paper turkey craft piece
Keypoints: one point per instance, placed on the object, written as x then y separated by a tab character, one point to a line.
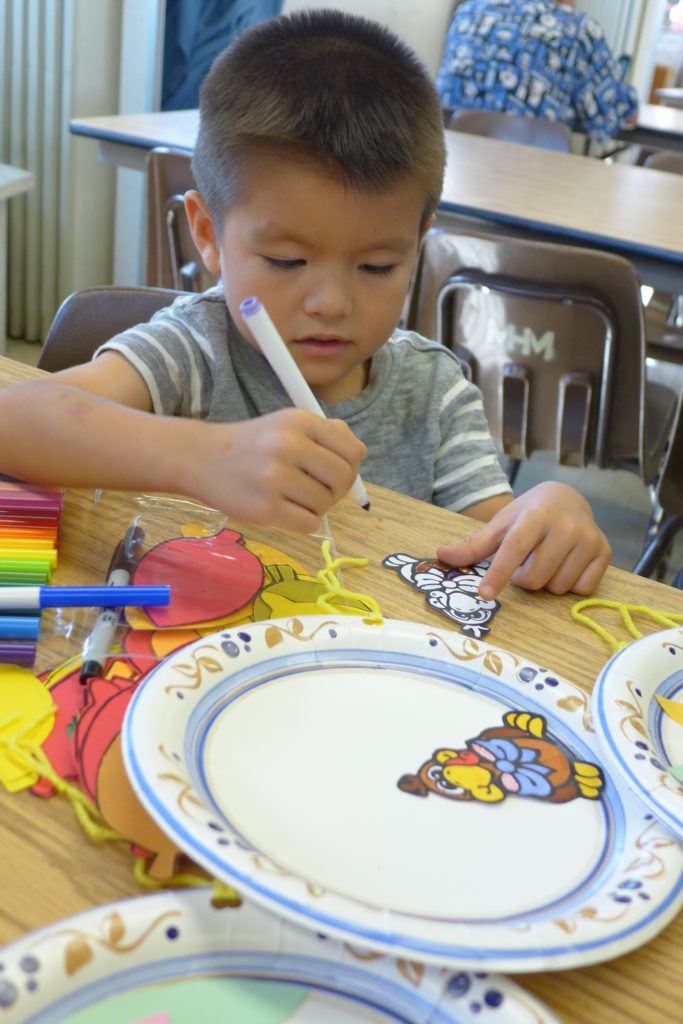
220	581
452	591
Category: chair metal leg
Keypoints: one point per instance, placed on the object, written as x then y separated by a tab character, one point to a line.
512	470
656	549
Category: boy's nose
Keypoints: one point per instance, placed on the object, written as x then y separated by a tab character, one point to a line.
328	300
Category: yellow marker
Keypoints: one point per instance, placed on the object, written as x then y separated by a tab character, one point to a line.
26	543
22	554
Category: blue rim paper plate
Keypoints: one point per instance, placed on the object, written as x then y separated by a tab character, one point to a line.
176	953
405	788
639	741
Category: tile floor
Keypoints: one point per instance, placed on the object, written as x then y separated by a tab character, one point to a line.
621	503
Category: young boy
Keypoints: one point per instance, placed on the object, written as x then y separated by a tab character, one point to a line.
319	165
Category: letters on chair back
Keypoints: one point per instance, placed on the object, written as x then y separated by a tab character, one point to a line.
553	336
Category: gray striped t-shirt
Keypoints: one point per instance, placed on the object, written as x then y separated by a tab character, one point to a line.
422	421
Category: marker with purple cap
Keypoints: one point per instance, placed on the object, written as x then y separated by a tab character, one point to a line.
288	373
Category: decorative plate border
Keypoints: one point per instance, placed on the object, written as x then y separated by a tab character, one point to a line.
51	974
640	887
628	720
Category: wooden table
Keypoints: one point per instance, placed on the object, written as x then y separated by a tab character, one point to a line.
519	189
13	181
125	139
658	127
51	870
671	97
568	198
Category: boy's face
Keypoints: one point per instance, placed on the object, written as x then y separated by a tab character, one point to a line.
331	265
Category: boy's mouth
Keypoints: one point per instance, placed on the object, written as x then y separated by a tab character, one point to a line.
322	344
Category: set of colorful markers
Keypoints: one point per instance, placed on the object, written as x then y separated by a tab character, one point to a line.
29	534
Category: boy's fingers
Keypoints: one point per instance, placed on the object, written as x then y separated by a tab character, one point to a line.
590	577
513	552
472	549
337	436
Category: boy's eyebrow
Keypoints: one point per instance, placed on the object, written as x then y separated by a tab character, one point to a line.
276	233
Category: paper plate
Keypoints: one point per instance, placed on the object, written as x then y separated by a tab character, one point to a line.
174	957
294	760
640	741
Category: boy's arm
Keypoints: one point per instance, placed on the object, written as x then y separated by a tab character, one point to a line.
91	426
545	538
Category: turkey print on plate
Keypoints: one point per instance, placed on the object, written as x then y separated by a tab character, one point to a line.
405	788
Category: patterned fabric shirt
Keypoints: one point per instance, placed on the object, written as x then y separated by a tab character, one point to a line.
534	58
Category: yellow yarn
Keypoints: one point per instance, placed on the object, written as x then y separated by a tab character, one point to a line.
334	590
34	759
185	880
664	620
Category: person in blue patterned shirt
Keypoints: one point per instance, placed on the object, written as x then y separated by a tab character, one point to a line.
535	58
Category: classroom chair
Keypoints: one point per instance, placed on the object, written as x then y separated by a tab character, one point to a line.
88	318
553	336
669	497
528	131
664	312
172	259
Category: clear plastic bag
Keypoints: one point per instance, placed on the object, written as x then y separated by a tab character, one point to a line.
221	574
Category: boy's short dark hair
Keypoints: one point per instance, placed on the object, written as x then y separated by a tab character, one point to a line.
335	88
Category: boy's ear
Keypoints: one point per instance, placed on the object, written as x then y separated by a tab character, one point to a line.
428	225
203	231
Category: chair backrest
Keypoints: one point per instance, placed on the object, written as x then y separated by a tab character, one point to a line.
422	25
88	318
665	160
172	259
553	336
669	497
529	131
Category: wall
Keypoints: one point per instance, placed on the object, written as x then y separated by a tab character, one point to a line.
58	59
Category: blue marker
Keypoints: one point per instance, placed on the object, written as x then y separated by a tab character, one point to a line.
21	598
19	627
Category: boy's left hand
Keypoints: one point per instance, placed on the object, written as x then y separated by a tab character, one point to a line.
545	538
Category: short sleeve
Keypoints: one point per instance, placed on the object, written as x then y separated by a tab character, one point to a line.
467	468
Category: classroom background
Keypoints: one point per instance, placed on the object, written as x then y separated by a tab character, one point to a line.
83	223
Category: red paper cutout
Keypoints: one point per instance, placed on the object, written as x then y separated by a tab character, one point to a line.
99	723
103	777
145	648
209	577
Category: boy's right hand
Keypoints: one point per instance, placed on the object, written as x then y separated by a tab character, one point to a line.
285	469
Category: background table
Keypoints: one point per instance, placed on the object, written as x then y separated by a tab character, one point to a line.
50	869
657	127
560	197
672	97
124	139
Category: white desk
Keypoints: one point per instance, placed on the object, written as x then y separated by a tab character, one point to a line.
631	211
671	97
658	127
13	181
124	139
